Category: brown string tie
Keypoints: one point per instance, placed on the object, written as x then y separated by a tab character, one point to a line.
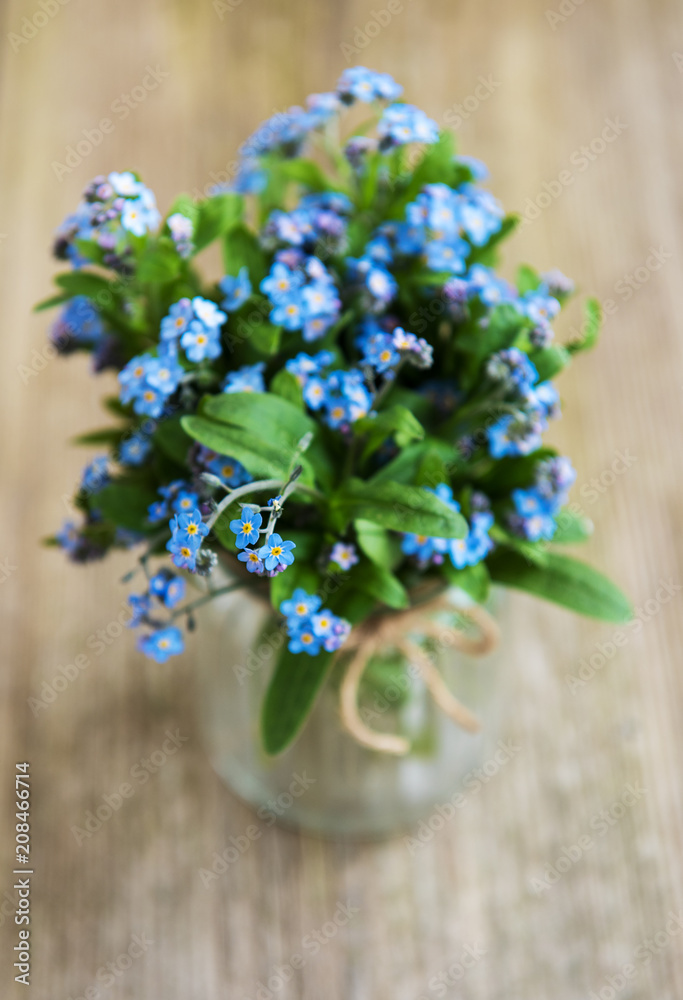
391	631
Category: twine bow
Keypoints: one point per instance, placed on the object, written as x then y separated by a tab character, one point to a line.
392	632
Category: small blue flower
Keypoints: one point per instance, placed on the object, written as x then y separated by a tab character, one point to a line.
164	374
288	313
157	512
276	553
161	644
134	217
177	321
184	502
141	606
404	123
236	290
167	587
300	605
344	555
125	184
360	84
208	313
200	342
281	282
189	529
515	435
134	449
246	528
69	537
95	475
322	623
253	563
248	378
183	555
305	641
229	470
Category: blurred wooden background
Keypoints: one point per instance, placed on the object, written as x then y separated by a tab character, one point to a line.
556	71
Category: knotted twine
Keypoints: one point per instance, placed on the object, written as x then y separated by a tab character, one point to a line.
391	631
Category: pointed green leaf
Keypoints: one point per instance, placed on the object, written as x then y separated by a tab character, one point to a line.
290	696
565	581
395	506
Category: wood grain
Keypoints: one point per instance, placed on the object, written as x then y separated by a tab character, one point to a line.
553	87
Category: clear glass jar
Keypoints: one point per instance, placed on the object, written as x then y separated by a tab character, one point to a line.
327	782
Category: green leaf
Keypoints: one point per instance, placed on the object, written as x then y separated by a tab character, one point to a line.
241	248
125	504
274	419
173	440
290	696
504	326
84	283
565	581
215	217
159	263
108	435
514	472
535	553
266	338
396	506
549	361
571	528
528	279
397	422
305	172
405	467
54	300
474	580
258	456
592	321
374	542
286	385
380	583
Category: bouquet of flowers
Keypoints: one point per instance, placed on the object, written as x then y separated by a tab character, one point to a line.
351	416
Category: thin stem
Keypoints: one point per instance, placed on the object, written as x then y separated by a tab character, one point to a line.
260	484
206	598
242	491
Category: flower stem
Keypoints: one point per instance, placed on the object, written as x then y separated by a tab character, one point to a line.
206	598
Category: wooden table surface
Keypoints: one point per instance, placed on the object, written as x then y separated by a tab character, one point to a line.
542	85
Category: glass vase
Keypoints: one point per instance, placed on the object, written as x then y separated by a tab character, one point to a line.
327	782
